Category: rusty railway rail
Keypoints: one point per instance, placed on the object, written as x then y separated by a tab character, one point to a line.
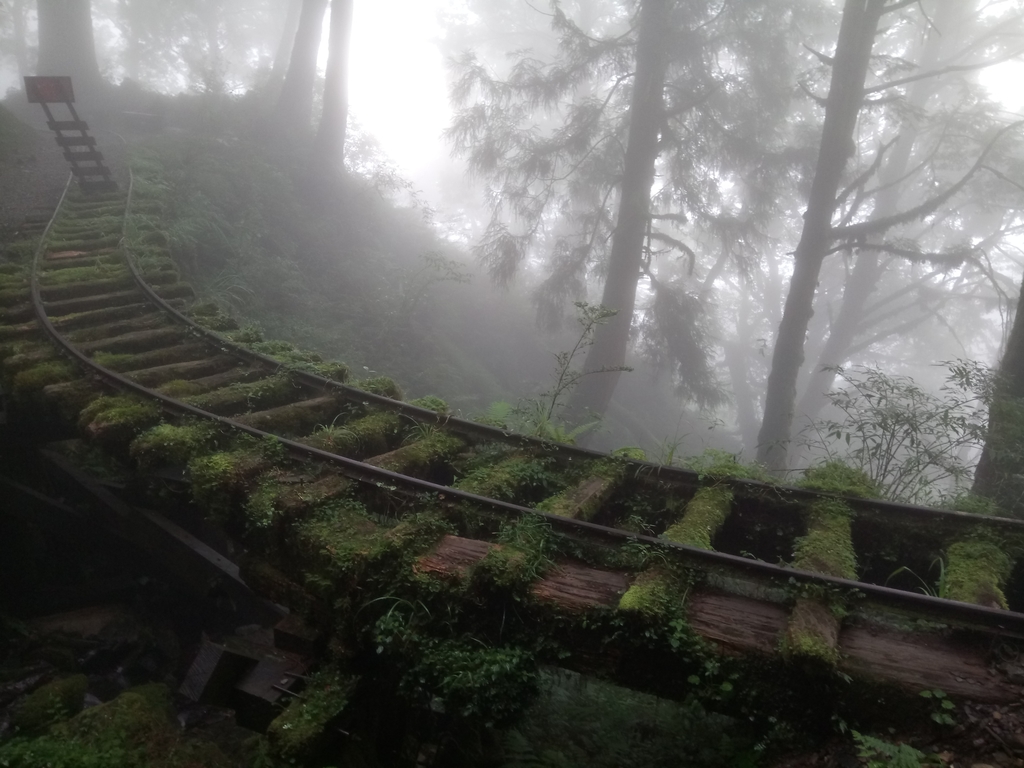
743	604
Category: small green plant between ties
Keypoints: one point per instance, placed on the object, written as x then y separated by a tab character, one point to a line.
541	416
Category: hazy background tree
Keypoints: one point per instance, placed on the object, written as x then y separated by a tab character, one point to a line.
330	137
66	43
849	67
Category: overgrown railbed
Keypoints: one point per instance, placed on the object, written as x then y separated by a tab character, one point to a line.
453	602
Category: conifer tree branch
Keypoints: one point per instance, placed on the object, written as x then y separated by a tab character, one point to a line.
877	226
943	71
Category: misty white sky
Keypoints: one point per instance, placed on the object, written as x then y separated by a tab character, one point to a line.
398	89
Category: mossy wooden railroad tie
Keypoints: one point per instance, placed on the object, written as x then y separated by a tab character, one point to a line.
313	475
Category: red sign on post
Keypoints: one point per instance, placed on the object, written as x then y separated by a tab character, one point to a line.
49	90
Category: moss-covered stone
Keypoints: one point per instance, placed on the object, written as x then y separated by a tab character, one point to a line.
298	733
704	515
50	704
976	570
827	547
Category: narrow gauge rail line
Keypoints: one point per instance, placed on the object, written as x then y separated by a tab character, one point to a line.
172	347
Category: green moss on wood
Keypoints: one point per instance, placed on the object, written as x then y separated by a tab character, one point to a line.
50	704
835	477
827	547
655	593
282	495
26	384
13	296
171	445
299	732
715	464
70	397
82	274
419	457
976	570
380	385
372	435
118	419
179	388
583	500
975	505
705	513
219	478
135	730
812	632
248	395
510	478
431	403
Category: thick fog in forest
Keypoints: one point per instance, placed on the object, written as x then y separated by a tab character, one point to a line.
804	216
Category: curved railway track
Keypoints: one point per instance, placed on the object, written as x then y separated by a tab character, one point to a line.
621	521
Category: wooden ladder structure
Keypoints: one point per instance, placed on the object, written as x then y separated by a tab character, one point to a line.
79	147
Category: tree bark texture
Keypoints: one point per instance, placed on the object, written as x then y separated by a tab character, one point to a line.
868	270
19	12
66	43
999	476
295	105
611	340
330	139
845	96
284	48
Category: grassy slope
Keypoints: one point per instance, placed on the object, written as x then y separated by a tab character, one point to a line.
343	271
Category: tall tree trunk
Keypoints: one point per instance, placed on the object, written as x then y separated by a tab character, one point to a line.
998	475
868	270
19	11
66	43
845	96
295	106
131	30
611	340
330	139
284	49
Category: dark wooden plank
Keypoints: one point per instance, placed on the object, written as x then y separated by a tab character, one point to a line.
577	587
97	186
925	661
87	155
67	125
737	624
96	170
453	557
75	141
